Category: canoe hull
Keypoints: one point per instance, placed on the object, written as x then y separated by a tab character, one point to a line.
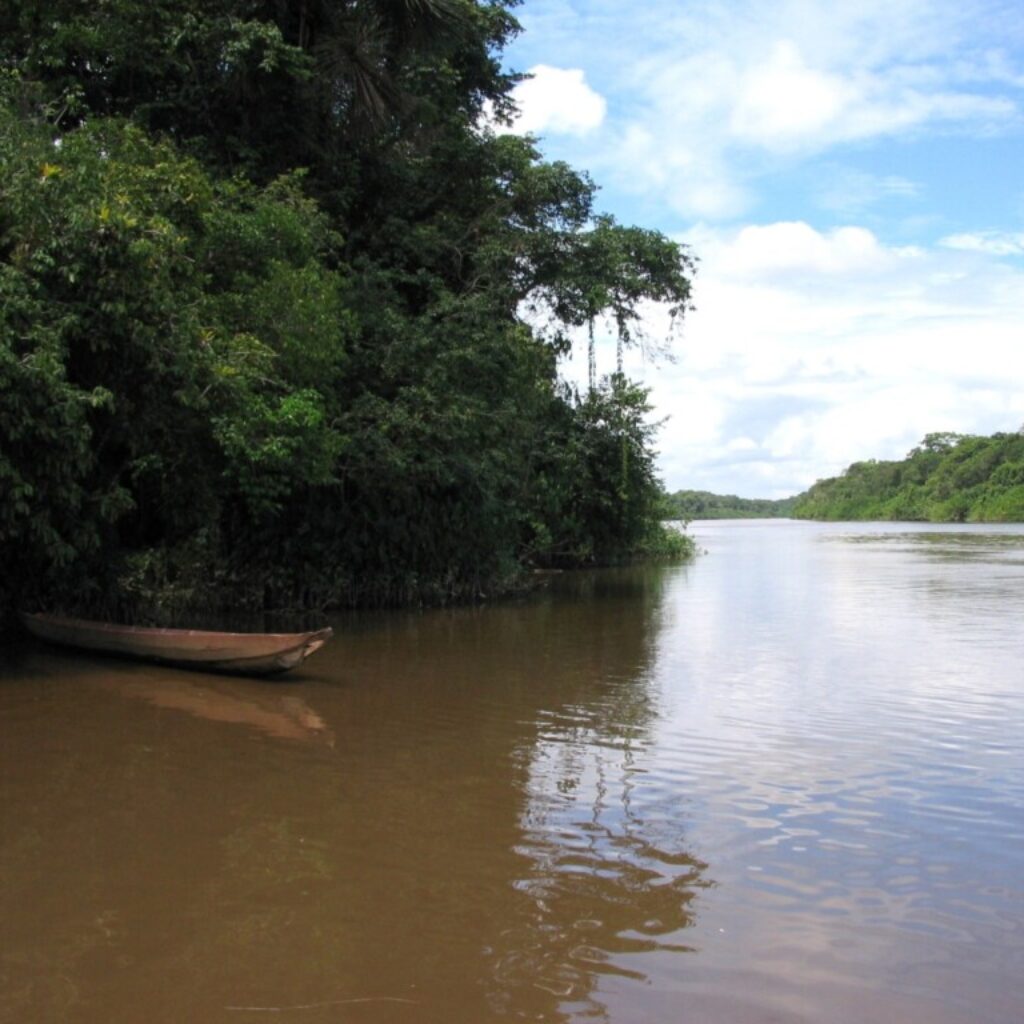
245	653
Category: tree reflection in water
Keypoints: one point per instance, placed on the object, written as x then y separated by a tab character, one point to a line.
608	874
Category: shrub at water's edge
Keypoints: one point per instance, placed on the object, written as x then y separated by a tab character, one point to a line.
947	478
257	352
668	541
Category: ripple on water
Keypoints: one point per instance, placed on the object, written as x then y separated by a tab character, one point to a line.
857	788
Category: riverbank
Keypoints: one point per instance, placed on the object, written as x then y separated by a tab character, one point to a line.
666	544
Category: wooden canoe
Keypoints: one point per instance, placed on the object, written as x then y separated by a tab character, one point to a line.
249	653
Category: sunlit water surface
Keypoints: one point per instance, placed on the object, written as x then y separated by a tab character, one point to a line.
784	783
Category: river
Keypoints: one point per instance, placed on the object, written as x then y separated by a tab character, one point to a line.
784	783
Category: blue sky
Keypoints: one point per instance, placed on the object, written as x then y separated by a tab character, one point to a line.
851	176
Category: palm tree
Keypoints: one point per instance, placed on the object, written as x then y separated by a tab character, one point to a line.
359	47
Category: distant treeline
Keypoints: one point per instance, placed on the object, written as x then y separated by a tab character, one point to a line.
947	478
705	505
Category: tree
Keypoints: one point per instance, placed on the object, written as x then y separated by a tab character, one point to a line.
273	356
138	399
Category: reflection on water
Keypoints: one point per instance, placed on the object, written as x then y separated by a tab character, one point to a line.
608	875
280	715
782	784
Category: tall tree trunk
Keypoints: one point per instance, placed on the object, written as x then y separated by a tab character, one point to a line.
592	357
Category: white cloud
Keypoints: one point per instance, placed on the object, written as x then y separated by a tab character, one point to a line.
847	192
766	250
810	350
710	95
557	100
687	177
996	243
784	101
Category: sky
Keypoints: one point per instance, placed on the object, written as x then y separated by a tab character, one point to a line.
850	176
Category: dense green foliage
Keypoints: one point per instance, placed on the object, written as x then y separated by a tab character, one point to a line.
686	505
947	478
269	306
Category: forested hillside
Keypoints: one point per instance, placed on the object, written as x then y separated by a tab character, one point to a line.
269	296
705	505
947	478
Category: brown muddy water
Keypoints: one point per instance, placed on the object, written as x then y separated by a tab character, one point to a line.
782	784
